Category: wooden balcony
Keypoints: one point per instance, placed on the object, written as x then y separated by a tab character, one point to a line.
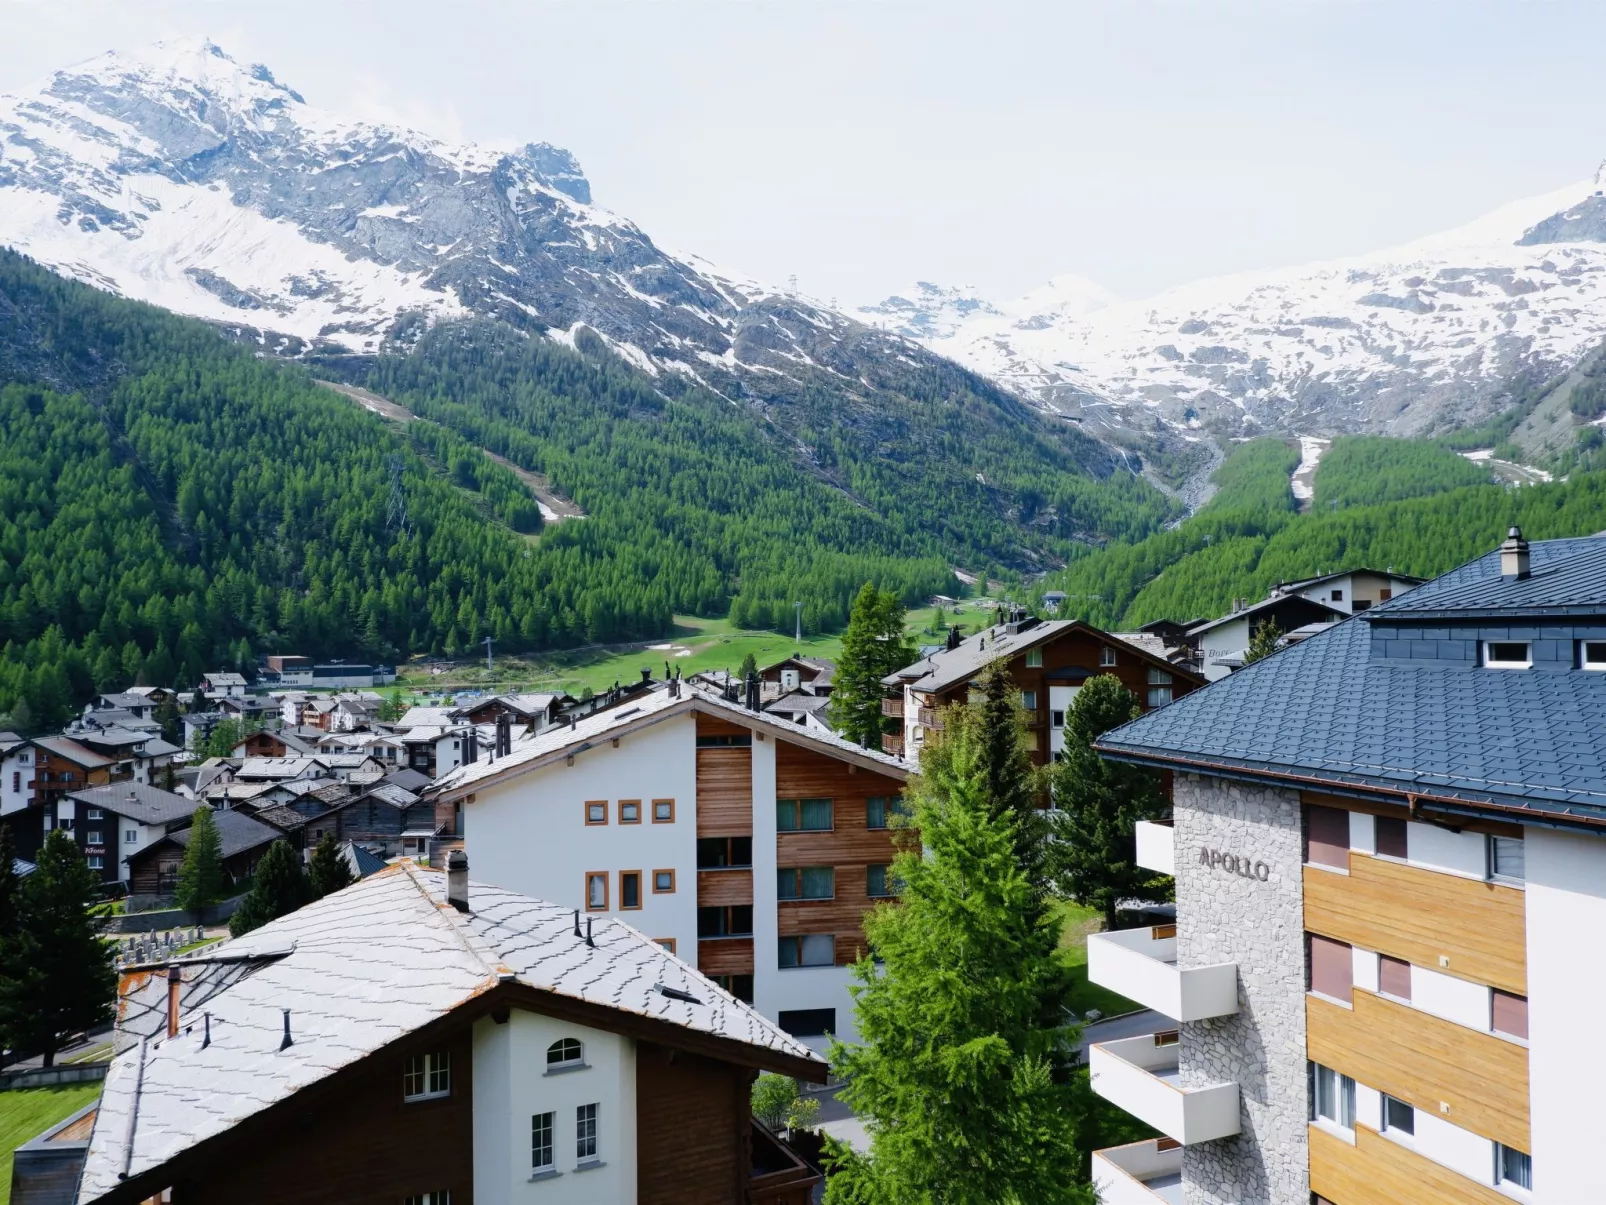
892	744
892	708
929	717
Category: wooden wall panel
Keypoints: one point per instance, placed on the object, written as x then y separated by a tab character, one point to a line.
724	887
1425	1060
1378	807
1423	916
1379	1171
359	1145
724	792
713	725
691	1128
725	956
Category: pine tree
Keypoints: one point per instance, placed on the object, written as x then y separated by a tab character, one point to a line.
1264	641
167	715
873	646
278	888
1099	803
963	1087
200	875
749	666
58	976
329	870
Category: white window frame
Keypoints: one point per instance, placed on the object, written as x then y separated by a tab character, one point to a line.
587	1134
1583	655
550	1148
1489	855
1034	658
1500	1180
1324	1079
1106	656
1489	661
433	1071
130	836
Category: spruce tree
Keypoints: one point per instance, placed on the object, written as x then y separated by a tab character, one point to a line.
963	1087
201	879
58	976
1264	641
873	646
167	715
1099	803
329	870
749	666
278	888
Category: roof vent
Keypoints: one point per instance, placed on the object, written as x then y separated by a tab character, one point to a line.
1514	556
674	993
457	880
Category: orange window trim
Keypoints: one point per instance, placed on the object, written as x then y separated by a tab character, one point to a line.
590	876
624	907
591	803
622	819
669	890
669	819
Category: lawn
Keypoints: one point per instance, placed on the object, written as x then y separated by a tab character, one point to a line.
695	644
1076	922
25	1113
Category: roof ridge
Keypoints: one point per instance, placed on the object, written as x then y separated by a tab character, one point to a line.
495	969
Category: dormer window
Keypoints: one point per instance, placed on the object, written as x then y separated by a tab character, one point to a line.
1507	654
1593	654
566	1054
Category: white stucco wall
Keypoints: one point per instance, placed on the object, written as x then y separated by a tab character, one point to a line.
1566	991
1229	638
530	834
16	781
512	1084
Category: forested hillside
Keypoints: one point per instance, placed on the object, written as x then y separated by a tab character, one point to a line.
1251	536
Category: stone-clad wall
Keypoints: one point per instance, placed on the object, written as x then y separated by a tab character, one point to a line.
1241	901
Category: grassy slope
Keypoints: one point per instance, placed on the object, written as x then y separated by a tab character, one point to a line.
1076	922
27	1112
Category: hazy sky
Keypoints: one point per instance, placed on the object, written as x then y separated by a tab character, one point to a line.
865	145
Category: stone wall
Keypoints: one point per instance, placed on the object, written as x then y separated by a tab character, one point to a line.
1239	853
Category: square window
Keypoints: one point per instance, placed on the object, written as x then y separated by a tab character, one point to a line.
1384	594
130	836
1159	696
92	814
96	862
1028	700
1392	837
1338	596
597	891
1507	654
667	943
1397	1115
1513	1167
1508	1014
663	811
1327	837
541	1141
1593	654
629	890
808	950
1394	977
585	1132
803	815
1034	658
879	810
1106	655
427	1076
663	882
92	837
1506	859
1057	718
724	853
806	883
878	881
630	811
1159	677
596	811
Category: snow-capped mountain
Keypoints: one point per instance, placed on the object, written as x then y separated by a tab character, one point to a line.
179	176
1398	341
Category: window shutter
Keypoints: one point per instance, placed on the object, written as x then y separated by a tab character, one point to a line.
1510	1014
1331	968
1327	837
1394	977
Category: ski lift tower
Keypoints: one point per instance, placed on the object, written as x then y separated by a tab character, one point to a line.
489	664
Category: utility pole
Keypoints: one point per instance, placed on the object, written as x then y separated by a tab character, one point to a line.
489	665
799	608
396	519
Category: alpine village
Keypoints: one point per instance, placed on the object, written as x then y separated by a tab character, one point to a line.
495	713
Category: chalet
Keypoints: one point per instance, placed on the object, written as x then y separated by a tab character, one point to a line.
1223	642
750	845
532	1055
531	712
143	747
348	767
17	765
799	705
62	764
229	685
139	705
809	675
385	818
198	727
280	769
1049	660
116	822
280	743
154	869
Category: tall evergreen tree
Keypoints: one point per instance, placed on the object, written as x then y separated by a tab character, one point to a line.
1263	642
749	666
328	870
278	888
1013	786
1099	803
962	1085
873	646
167	715
201	880
58	977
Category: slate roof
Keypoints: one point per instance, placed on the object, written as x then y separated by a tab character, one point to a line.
430	717
360	969
277	767
1323	711
282	817
71	750
1305	583
1297	603
974	654
1567	578
408	779
236	831
645	709
136	801
363	861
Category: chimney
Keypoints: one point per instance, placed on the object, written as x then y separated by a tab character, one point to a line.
752	692
504	734
457	880
287	1041
471	745
1514	556
175	984
954	637
646	674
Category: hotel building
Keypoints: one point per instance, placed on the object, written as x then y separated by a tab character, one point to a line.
1389	844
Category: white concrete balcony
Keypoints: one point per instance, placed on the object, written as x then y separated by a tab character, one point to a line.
1141	964
1140	1076
1157	846
1140	1173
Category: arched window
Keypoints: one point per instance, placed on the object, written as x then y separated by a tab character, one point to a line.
565	1052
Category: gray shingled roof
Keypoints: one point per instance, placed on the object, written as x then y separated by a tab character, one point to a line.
237	832
1325	710
360	969
1567	578
136	801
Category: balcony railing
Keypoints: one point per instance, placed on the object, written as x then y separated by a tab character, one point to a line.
1141	964
929	717
1140	1075
892	744
892	708
1140	1173
1157	846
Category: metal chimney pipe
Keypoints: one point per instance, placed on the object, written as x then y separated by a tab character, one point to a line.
457	880
287	1043
175	984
